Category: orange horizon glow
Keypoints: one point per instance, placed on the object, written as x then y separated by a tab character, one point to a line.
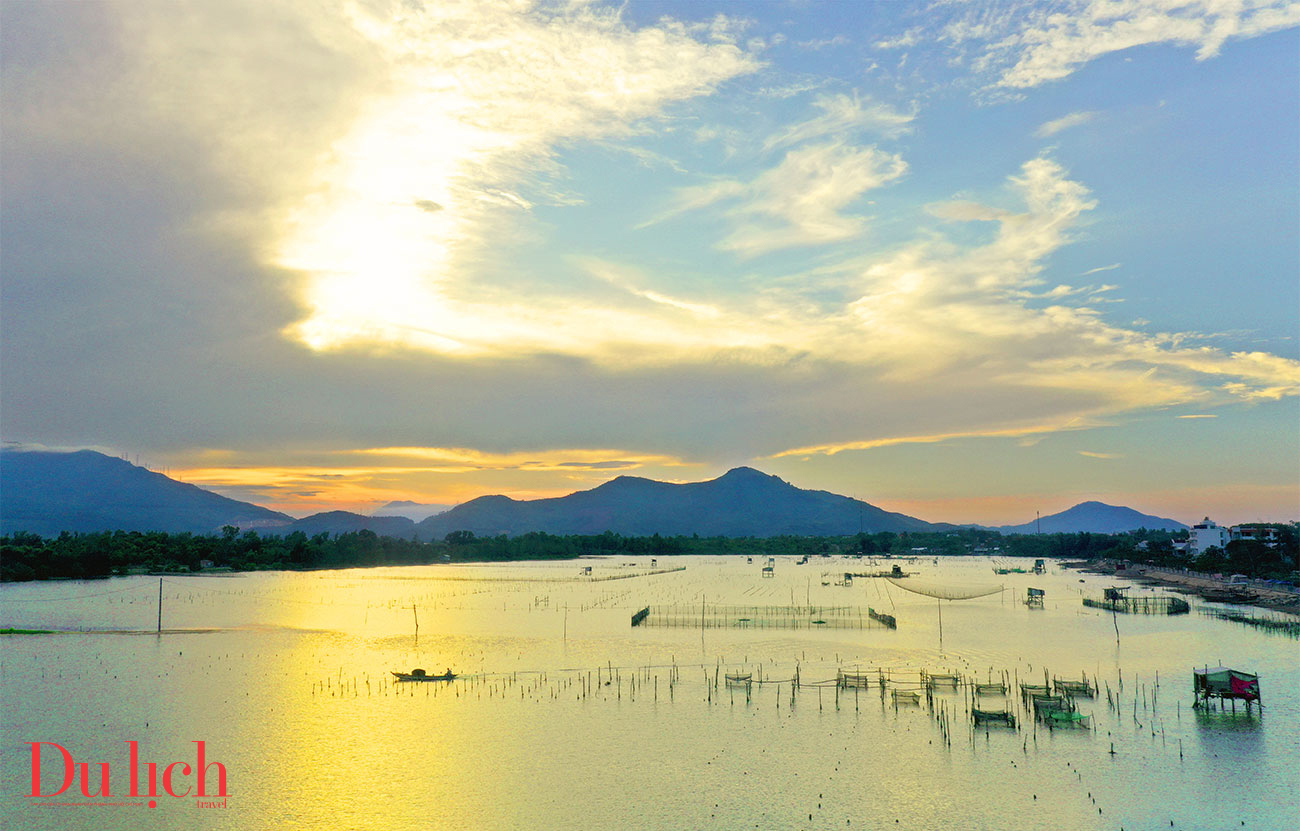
302	491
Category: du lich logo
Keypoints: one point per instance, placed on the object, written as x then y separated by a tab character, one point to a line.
203	780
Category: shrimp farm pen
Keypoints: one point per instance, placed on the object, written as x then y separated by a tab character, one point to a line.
714	616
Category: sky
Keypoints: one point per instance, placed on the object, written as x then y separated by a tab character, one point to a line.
967	261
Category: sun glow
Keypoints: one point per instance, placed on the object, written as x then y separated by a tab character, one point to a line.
427	181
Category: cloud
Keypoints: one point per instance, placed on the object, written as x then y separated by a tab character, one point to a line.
799	202
843	116
958	318
1197	415
162	237
1100	269
463	459
1029	435
823	43
1028	46
1065	122
335	478
964	211
909	38
1092	455
470	127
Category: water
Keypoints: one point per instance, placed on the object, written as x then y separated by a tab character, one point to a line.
285	677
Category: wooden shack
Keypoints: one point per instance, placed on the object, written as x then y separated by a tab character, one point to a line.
1223	684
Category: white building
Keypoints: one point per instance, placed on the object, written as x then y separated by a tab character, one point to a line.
1207	534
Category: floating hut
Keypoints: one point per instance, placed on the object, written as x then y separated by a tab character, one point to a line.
1223	684
1040	567
1034	598
768	571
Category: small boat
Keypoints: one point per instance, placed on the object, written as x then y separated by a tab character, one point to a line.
421	675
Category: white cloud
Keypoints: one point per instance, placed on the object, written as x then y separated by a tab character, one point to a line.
469	125
843	116
909	38
798	202
823	43
954	323
1036	45
1100	269
801	200
1065	122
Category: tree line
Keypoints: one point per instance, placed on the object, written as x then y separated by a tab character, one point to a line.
26	556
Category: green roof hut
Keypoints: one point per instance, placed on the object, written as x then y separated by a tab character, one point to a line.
1223	684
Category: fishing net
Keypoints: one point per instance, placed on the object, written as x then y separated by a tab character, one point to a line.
946	592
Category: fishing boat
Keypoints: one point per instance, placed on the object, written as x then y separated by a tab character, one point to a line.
421	675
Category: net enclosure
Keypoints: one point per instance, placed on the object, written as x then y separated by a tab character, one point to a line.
715	616
941	591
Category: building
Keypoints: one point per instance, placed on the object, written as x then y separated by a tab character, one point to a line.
1207	534
1256	532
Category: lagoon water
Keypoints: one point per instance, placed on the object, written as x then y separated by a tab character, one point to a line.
286	678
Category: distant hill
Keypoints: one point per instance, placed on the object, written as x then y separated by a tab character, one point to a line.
742	503
414	511
1096	518
47	492
342	522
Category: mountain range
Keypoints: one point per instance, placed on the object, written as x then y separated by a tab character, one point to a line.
742	503
48	492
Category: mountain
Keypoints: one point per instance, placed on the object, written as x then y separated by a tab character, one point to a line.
414	511
1097	518
742	503
46	492
342	522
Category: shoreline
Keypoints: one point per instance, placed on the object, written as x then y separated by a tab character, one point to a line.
1209	587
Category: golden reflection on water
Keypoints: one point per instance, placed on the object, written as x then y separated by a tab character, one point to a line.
294	693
